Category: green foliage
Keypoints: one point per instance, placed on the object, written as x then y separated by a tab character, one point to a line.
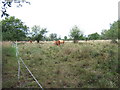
75	33
65	37
118	29
13	29
35	30
94	36
82	37
111	33
38	33
103	34
53	36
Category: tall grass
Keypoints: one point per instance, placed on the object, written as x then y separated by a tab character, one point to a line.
82	65
9	66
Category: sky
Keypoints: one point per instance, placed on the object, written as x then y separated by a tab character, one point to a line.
59	16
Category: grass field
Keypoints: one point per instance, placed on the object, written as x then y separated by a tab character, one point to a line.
81	65
9	66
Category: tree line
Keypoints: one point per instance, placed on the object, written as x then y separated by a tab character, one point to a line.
14	29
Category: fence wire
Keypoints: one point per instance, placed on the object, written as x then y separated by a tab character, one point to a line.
14	44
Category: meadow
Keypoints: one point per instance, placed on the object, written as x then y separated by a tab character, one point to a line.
80	65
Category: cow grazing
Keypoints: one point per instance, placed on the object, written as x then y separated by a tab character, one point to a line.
30	41
57	42
61	41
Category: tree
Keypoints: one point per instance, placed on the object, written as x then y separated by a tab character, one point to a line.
13	29
59	37
53	36
103	34
113	32
47	38
94	36
65	37
38	33
75	33
82	37
8	3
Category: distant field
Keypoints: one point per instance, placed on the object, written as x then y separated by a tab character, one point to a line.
82	65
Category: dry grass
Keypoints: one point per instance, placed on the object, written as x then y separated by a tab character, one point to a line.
82	65
9	66
72	65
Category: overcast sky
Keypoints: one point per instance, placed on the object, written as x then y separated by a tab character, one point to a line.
59	16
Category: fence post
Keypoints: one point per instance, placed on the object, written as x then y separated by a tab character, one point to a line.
18	61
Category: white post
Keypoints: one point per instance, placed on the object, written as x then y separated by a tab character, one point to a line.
18	69
18	61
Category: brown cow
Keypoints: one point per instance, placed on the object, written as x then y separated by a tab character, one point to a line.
61	41
30	41
57	42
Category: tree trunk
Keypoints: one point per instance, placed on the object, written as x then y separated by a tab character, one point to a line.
37	41
75	41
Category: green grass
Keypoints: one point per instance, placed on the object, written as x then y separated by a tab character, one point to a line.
9	66
89	65
82	65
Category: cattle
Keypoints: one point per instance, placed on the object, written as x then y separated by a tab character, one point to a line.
59	42
30	41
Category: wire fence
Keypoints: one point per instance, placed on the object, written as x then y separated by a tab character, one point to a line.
14	44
